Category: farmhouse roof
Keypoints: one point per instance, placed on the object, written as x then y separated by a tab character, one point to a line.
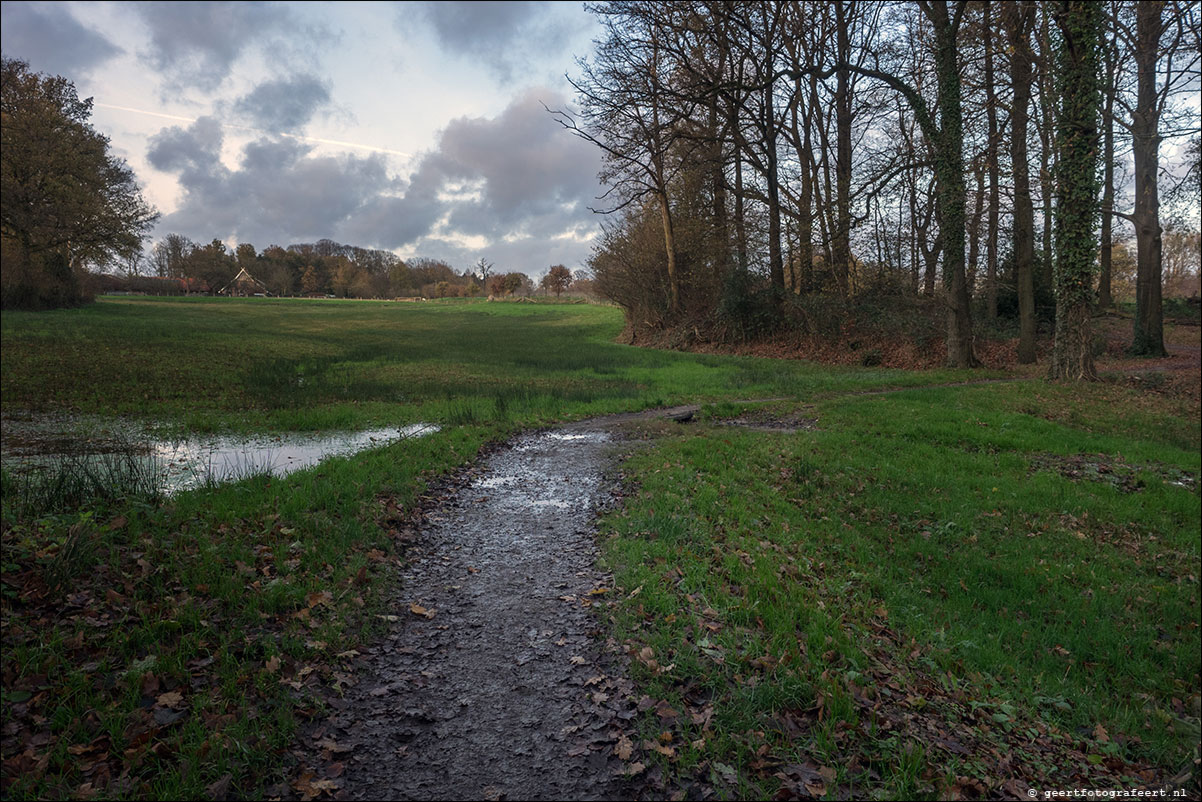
244	276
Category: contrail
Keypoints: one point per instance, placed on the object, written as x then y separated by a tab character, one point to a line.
298	137
142	111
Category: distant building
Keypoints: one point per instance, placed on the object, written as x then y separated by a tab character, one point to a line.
244	285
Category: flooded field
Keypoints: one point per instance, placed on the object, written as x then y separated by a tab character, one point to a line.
181	464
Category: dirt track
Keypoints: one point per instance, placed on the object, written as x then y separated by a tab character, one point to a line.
492	682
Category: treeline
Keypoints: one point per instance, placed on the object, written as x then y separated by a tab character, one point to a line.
177	265
813	165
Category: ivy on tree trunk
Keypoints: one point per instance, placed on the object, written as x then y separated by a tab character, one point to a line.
1080	25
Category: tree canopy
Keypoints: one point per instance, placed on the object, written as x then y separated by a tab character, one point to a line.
66	201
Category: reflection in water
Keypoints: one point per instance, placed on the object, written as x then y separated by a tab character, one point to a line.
531	481
186	464
190	463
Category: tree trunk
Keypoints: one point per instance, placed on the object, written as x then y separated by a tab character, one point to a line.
974	230
776	263
670	250
717	175
991	160
949	173
841	247
740	215
1047	151
930	264
1080	23
820	185
1106	257
1145	134
805	214
1018	17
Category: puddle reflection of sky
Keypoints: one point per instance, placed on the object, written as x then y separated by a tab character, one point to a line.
190	463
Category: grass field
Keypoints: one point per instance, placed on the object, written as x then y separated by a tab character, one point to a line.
295	365
928	579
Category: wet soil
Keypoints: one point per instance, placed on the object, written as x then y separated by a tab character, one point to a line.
765	421
494	682
1112	470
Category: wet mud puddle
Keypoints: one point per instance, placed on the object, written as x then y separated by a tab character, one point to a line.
491	684
175	465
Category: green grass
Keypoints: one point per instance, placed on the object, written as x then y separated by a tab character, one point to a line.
780	574
914	537
250	364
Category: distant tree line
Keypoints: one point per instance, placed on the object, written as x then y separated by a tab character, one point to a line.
74	223
815	165
323	268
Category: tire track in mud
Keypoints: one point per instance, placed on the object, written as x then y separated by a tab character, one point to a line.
507	690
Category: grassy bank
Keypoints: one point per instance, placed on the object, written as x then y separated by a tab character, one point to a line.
1013	549
943	592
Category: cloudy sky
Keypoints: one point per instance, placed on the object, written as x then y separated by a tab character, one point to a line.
414	127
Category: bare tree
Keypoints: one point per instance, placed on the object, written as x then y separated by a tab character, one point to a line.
1166	64
1019	20
626	110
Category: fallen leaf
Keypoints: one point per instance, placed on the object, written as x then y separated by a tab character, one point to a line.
273	664
665	711
323	597
172	699
624	749
726	773
332	747
417	609
221	788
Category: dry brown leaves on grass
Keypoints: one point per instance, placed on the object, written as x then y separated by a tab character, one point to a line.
951	724
904	712
206	687
1179	375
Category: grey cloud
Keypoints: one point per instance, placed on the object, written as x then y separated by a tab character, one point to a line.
195	150
530	179
285	104
52	40
499	34
279	193
197	43
530	167
527	182
395	221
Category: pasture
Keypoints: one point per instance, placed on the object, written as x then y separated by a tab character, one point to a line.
933	571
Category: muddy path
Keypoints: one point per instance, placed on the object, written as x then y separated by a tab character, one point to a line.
494	681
